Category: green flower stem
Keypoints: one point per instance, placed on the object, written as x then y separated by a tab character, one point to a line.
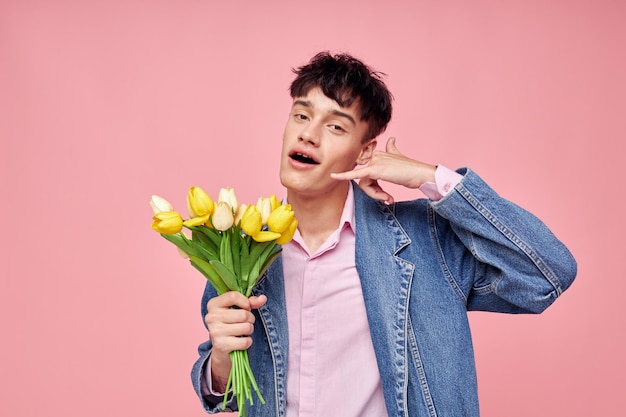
242	381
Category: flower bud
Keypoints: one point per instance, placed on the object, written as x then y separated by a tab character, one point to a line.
274	202
159	204
239	212
196	221
227	195
251	221
167	222
265	236
280	219
199	203
222	217
287	235
264	205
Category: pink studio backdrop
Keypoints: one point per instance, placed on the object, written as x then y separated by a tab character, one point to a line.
103	103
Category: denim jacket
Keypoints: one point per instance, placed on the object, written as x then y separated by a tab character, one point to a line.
422	266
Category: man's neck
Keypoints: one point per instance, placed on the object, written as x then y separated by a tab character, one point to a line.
318	216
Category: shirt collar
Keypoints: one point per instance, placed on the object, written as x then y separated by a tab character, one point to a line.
347	219
347	216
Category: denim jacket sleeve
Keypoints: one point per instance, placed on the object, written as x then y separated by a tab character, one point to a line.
509	261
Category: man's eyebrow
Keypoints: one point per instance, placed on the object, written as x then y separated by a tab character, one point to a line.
346	115
307	103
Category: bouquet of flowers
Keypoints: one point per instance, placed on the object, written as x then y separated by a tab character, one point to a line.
232	245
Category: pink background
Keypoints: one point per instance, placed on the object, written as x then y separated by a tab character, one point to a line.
103	103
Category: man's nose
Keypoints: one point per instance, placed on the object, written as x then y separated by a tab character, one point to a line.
310	134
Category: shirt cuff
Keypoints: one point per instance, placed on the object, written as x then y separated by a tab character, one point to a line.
206	382
445	180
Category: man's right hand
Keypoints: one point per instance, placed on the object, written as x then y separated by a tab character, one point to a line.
229	329
391	166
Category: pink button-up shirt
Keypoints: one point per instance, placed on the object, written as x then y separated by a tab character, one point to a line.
331	367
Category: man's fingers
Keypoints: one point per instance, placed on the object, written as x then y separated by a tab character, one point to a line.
229	299
374	190
257	302
391	146
350	175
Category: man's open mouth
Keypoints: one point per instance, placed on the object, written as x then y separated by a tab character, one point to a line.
305	159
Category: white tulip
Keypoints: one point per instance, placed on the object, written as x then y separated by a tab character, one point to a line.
227	195
264	205
239	213
222	218
159	204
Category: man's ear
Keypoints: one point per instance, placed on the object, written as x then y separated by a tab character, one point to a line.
366	152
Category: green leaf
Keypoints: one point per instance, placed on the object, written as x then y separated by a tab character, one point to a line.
213	234
260	271
181	242
204	250
254	270
245	261
235	251
258	247
269	261
226	256
227	275
210	274
267	250
201	237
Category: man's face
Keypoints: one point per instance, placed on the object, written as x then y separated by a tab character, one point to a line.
320	138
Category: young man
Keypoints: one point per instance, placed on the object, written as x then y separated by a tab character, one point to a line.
364	313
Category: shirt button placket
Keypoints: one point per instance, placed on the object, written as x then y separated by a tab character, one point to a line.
308	364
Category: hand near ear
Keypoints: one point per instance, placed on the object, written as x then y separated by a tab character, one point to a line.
391	166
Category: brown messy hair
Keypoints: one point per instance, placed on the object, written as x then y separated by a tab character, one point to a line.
345	79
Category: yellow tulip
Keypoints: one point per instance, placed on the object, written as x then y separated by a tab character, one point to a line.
280	219
287	235
227	195
167	222
196	221
251	221
264	205
199	203
159	204
240	212
265	236
222	217
274	202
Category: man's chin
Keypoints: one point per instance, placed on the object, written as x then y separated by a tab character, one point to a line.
297	183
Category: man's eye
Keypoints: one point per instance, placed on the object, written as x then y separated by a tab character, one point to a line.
336	128
300	117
